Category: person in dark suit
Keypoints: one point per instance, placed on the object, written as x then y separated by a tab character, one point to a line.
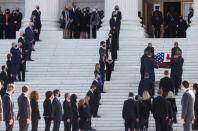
146	84
9	67
34	97
190	15
102	48
37	14
19	18
177	70
182	26
4	77
156	21
7	22
14	24
187	102
94	22
130	112
15	60
8	108
29	39
149	65
174	49
160	112
150	48
47	113
24	111
90	93
142	70
97	70
102	62
115	23
22	66
195	124
75	120
1	25
67	117
166	84
109	65
119	13
85	115
56	110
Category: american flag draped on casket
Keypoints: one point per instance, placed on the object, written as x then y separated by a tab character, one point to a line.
163	60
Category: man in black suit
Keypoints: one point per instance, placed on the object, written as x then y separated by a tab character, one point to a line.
29	39
4	77
146	84
150	48
90	93
119	13
102	48
182	26
149	64
67	117
56	110
130	112
115	23
156	21
19	17
37	14
24	112
8	108
160	112
166	84
177	70
174	49
7	22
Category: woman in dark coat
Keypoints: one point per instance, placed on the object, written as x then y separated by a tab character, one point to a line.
34	97
47	106
85	115
67	117
75	120
195	88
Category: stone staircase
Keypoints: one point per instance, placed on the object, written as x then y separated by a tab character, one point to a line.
68	65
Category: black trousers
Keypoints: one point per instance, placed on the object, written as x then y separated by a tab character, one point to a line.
8	33
56	126
35	125
22	72
75	124
109	71
47	124
67	126
177	82
9	127
130	124
161	124
37	35
1	32
29	51
94	28
157	32
96	106
23	125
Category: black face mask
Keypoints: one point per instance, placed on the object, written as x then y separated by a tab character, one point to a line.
17	10
59	95
116	8
37	8
110	36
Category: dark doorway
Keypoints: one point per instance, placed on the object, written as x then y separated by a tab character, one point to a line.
176	6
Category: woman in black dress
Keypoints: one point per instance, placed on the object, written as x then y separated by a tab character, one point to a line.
75	120
34	97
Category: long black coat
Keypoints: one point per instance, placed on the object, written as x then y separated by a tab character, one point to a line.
166	84
146	84
67	111
177	66
130	110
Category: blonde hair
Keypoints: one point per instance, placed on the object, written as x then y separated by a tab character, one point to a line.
10	87
146	95
170	95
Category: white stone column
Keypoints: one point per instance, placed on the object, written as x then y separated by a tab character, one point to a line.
49	13
193	29
131	26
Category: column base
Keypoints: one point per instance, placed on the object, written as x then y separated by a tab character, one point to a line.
129	29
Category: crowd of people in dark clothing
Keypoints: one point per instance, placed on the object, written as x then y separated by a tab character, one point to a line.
10	22
80	23
175	26
137	109
75	115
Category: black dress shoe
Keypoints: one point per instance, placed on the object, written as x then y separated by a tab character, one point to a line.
33	50
97	116
30	60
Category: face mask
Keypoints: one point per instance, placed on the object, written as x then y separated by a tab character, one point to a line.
37	8
59	95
